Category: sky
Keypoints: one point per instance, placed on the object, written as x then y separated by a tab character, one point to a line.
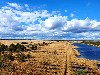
50	19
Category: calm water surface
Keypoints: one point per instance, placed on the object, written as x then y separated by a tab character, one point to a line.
89	52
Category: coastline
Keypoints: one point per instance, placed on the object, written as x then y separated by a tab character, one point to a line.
84	61
92	45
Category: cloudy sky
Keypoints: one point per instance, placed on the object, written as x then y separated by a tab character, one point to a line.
50	19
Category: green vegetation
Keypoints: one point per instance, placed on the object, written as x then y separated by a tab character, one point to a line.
34	47
7	53
8	57
3	48
2	65
80	72
45	43
12	48
24	43
22	57
28	56
16	48
96	43
14	52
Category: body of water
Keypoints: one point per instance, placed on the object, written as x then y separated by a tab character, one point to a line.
89	52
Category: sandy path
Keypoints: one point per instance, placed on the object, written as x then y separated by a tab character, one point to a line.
69	49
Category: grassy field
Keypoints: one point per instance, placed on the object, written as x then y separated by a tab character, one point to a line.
32	57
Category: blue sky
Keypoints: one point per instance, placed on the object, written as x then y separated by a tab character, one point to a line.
50	19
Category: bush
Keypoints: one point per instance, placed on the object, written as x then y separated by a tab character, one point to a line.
11	67
34	47
80	72
43	42
21	57
16	48
20	47
28	56
12	48
2	65
8	57
57	40
24	43
3	47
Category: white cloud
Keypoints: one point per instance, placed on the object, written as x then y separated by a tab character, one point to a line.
55	22
66	10
26	5
79	26
72	15
16	6
42	24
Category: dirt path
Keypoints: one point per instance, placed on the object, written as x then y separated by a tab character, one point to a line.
69	53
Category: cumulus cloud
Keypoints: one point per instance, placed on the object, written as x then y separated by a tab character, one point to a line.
42	24
78	26
55	22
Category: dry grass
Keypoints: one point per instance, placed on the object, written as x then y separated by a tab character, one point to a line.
51	58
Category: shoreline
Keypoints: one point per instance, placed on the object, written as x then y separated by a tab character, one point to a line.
91	44
79	54
84	61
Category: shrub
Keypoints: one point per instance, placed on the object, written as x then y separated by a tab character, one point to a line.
57	40
34	47
2	65
11	67
43	42
80	72
24	43
20	47
28	56
3	47
8	57
12	48
21	57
